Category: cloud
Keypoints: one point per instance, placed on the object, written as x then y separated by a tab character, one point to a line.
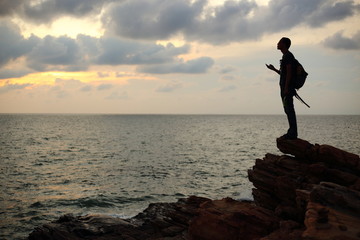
156	19
13	73
198	65
61	53
232	21
226	23
118	96
228	69
338	41
196	20
9	7
49	10
249	21
64	88
12	44
11	87
228	88
104	86
103	75
115	51
49	53
170	87
86	88
67	54
68	83
330	11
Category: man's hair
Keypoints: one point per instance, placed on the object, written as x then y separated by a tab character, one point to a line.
286	41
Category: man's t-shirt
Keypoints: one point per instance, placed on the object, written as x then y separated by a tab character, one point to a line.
287	58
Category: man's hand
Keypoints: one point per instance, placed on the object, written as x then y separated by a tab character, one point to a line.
270	66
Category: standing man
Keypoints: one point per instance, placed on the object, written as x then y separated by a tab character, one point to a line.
287	89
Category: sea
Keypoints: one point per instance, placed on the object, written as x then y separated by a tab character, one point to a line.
54	164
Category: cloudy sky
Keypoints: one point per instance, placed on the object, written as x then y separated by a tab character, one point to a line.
175	56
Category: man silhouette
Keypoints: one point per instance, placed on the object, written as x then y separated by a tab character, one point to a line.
287	89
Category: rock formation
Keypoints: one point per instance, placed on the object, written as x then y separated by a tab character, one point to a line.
311	192
316	186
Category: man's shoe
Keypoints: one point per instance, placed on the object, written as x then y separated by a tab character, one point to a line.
288	137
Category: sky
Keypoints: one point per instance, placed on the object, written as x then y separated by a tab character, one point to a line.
175	56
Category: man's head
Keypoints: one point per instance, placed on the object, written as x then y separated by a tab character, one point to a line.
284	43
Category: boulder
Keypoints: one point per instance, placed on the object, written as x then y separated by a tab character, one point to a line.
325	223
230	219
158	221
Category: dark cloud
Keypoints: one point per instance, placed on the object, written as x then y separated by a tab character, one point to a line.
247	21
225	23
114	51
330	11
338	41
61	53
49	53
199	65
157	19
232	21
195	20
8	7
13	73
90	46
67	54
49	10
12	44
281	15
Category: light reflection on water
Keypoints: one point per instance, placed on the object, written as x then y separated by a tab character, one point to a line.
118	164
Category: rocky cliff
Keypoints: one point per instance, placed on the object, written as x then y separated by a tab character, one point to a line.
311	192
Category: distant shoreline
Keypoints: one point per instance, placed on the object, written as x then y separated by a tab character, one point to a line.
175	114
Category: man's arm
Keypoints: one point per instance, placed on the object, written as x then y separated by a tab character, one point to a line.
271	67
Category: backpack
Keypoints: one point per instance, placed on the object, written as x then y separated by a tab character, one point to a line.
300	75
300	78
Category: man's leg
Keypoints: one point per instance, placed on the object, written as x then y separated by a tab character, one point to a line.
291	116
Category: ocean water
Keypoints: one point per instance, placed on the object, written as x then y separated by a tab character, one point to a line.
51	165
